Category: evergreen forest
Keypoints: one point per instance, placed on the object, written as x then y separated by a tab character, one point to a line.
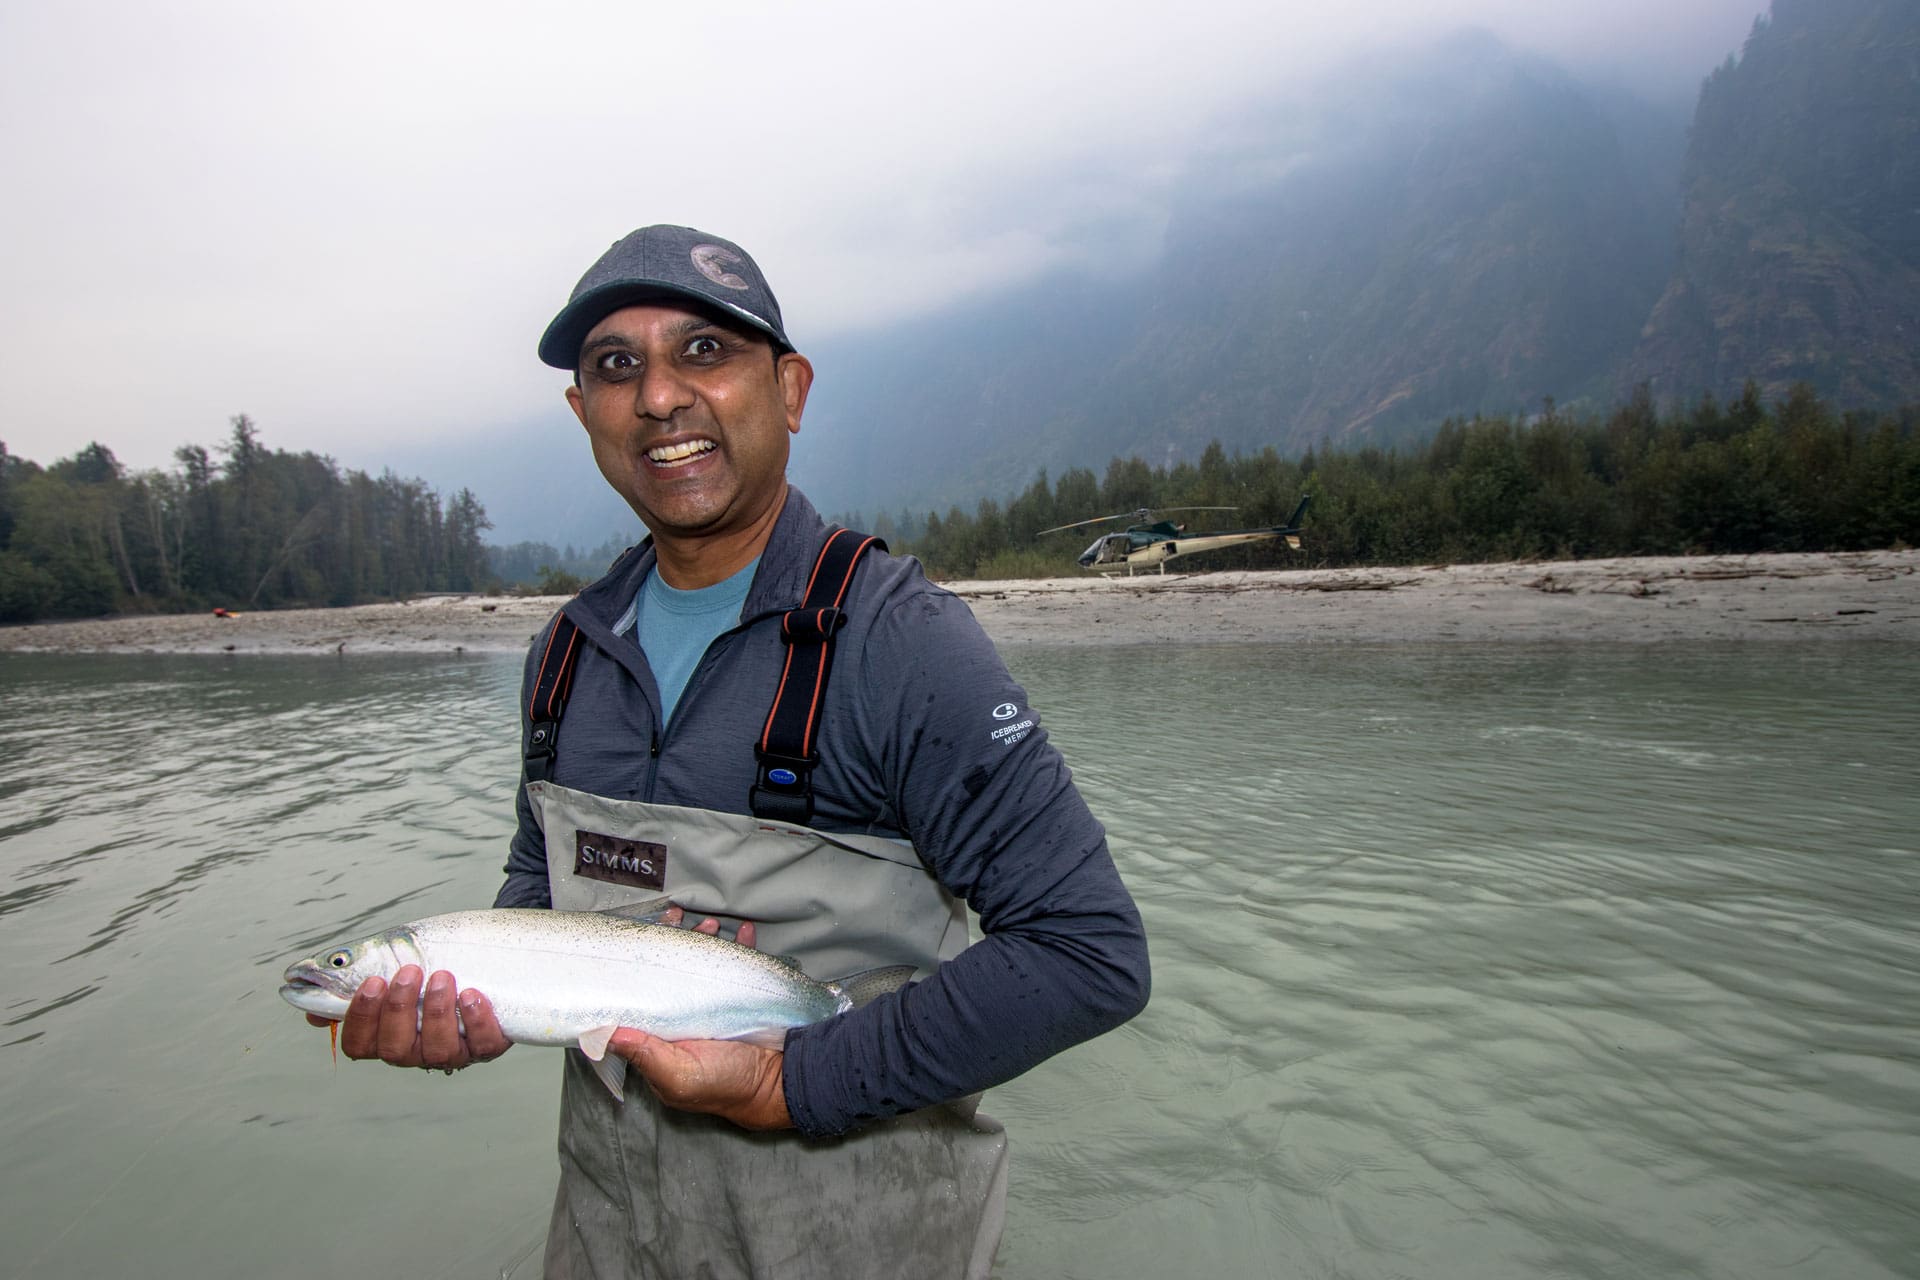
261	528
1746	476
254	528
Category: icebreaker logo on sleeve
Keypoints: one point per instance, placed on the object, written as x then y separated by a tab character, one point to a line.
1008	734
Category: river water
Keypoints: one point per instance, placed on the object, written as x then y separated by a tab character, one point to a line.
1470	961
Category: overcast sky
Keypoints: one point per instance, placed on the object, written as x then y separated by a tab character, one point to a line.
352	221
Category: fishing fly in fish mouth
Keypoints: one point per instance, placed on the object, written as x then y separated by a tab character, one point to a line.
573	978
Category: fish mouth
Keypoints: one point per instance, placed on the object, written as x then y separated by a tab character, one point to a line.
310	992
307	978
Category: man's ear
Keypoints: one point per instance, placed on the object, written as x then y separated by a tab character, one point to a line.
574	402
795	372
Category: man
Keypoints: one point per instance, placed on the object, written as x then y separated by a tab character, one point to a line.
923	781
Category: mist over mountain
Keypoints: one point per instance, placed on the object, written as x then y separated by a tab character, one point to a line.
1469	230
1799	239
1455	230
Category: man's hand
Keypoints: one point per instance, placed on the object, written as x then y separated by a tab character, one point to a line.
388	1021
725	1078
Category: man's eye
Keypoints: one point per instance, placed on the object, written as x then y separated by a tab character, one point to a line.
617	362
704	346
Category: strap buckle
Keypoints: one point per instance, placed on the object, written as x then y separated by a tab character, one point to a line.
811	626
542	738
783	788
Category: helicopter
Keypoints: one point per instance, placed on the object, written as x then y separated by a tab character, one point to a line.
1144	544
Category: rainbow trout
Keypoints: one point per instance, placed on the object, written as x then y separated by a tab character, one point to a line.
571	978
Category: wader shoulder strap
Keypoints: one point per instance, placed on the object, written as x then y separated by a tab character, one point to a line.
548	701
783	788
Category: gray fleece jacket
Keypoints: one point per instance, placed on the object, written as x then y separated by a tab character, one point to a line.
908	749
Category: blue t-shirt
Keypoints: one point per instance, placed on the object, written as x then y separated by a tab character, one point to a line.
674	627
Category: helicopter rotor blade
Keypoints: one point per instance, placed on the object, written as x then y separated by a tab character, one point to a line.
1081	524
1138	514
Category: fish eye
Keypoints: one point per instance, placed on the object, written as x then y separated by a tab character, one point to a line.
340	959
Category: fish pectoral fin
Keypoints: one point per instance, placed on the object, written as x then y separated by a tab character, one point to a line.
610	1067
593	1042
612	1070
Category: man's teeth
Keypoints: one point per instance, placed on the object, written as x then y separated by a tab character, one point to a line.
670	453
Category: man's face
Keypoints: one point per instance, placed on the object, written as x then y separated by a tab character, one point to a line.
689	418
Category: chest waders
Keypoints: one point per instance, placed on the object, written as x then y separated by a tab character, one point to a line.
646	1191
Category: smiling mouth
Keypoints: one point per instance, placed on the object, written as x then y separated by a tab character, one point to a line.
676	455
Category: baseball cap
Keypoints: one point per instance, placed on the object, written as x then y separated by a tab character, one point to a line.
664	263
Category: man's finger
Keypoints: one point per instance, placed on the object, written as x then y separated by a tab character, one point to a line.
747	935
440	1044
644	1052
400	1018
485	1040
672	916
709	926
631	1043
360	1033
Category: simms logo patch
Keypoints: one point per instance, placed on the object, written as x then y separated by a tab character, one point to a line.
640	864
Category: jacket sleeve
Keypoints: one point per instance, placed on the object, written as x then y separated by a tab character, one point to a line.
991	806
526	884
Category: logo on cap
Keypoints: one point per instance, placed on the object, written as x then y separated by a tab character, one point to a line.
712	261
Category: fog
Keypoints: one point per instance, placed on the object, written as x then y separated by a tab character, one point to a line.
352	221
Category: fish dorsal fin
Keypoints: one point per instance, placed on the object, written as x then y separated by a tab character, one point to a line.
868	985
645	911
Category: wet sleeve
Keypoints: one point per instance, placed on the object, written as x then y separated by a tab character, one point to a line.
991	805
526	884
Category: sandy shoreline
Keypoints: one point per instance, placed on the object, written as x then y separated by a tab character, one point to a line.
1872	595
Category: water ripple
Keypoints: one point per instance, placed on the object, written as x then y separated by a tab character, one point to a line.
1504	962
1470	962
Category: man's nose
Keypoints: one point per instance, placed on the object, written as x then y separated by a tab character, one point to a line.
662	391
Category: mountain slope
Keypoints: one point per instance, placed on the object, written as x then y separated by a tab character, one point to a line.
1469	232
1464	231
1799	253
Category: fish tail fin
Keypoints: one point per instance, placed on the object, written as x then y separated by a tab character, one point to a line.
610	1067
861	988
